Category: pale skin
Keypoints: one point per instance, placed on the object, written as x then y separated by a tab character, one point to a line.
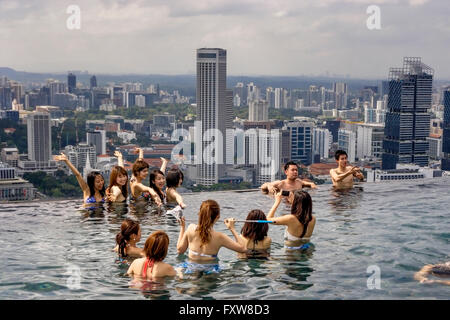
291	183
294	227
131	249
160	270
136	185
191	238
342	176
174	196
114	194
426	270
98	184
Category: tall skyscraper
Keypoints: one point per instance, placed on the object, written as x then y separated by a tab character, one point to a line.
93	82
407	120
258	110
71	82
340	92
322	139
97	138
39	137
347	142
213	104
445	164
301	141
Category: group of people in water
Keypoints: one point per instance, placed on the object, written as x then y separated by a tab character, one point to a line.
201	240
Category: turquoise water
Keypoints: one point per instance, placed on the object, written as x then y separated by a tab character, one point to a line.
397	227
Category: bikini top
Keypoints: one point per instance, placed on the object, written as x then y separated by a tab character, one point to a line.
92	199
149	263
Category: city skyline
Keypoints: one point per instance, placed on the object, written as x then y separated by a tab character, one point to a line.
287	38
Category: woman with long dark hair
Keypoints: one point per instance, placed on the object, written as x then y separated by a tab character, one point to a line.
157	183
94	186
202	240
300	223
255	236
117	190
126	239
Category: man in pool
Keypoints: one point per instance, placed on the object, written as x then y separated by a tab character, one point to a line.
291	183
343	175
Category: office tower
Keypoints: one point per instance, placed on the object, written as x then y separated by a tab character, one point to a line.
54	88
213	104
370	115
407	123
258	110
347	142
97	138
5	98
445	163
252	92
380	112
241	93
81	156
369	140
322	139
301	141
384	88
93	82
71	82
39	137
341	94
270	97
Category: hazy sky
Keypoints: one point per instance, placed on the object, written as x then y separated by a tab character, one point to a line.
286	37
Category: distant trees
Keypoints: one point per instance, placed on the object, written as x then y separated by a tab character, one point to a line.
58	186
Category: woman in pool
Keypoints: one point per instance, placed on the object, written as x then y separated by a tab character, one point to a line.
118	182
138	190
300	223
93	188
157	183
202	240
174	180
440	270
126	239
255	236
152	266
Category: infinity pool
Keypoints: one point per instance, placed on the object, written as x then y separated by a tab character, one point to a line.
395	228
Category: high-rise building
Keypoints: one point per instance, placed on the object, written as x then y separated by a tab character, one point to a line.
252	92
370	114
93	82
322	139
71	82
39	137
5	98
97	138
340	92
258	110
347	142
301	141
445	164
81	155
369	141
407	123
213	104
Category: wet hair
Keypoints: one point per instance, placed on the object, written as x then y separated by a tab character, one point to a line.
209	212
173	178
138	166
156	246
255	231
441	269
91	183
113	180
339	153
153	176
265	190
127	228
290	163
302	208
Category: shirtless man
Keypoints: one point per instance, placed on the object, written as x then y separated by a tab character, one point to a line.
342	176
291	183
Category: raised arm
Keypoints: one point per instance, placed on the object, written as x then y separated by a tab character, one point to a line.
140	152
163	165
278	197
239	245
119	158
81	182
177	196
182	243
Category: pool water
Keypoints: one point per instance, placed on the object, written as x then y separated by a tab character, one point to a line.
384	231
